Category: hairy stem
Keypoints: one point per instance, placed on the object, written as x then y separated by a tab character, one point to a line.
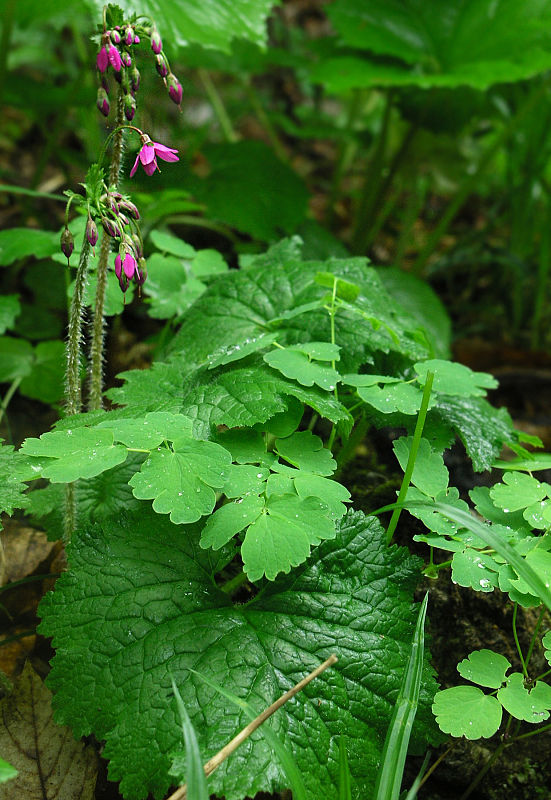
73	400
95	400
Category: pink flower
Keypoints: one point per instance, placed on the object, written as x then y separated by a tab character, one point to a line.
114	58
148	156
102	60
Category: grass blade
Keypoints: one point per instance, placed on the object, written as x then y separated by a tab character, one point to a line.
345	788
195	774
395	750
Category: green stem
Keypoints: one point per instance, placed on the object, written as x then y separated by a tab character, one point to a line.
418	432
332	312
95	400
73	399
235	583
346	152
218	106
531	733
8	396
469	184
535	635
517	643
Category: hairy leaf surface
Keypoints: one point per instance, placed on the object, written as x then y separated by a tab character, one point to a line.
139	605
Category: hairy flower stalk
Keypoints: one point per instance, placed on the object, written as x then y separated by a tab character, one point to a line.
95	399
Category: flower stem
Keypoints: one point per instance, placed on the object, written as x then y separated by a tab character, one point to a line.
95	400
73	400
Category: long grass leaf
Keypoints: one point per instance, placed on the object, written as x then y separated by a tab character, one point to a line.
345	788
395	750
195	774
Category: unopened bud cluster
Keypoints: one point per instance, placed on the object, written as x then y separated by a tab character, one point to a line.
117	54
119	221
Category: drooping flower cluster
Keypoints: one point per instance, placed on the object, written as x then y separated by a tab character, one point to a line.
117	53
119	220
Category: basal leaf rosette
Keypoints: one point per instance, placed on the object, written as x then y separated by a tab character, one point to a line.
139	606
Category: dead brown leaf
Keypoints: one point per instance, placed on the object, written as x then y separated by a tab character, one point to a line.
51	764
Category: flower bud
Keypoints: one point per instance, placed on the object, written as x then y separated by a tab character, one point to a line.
126	59
110	228
67	243
141	272
118	266
161	65
129	266
129	107
115	36
134	80
130	208
102	60
91	232
102	102
174	89
114	58
156	43
136	39
137	245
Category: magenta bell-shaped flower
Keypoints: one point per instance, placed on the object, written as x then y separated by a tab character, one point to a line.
129	35
67	243
148	153
114	58
115	36
161	65
129	107
91	232
102	60
174	89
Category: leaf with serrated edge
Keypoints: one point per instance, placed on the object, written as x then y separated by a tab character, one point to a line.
546	642
455	379
485	668
282	537
319	351
149	431
73	454
305	450
182	483
295	364
475	570
518	491
402	397
139	602
467	711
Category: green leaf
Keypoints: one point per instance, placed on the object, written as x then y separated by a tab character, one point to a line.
194	772
430	474
170	289
272	198
139	604
467	711
475	570
305	450
72	454
546	642
208	263
214	24
45	381
294	363
239	350
286	422
245	479
282	537
158	388
10	308
167	243
539	562
452	378
475	44
482	428
485	668
536	462
149	431
7	772
247	395
181	482
345	787
392	397
16	357
229	520
17	243
481	497
332	493
518	491
11	485
531	706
